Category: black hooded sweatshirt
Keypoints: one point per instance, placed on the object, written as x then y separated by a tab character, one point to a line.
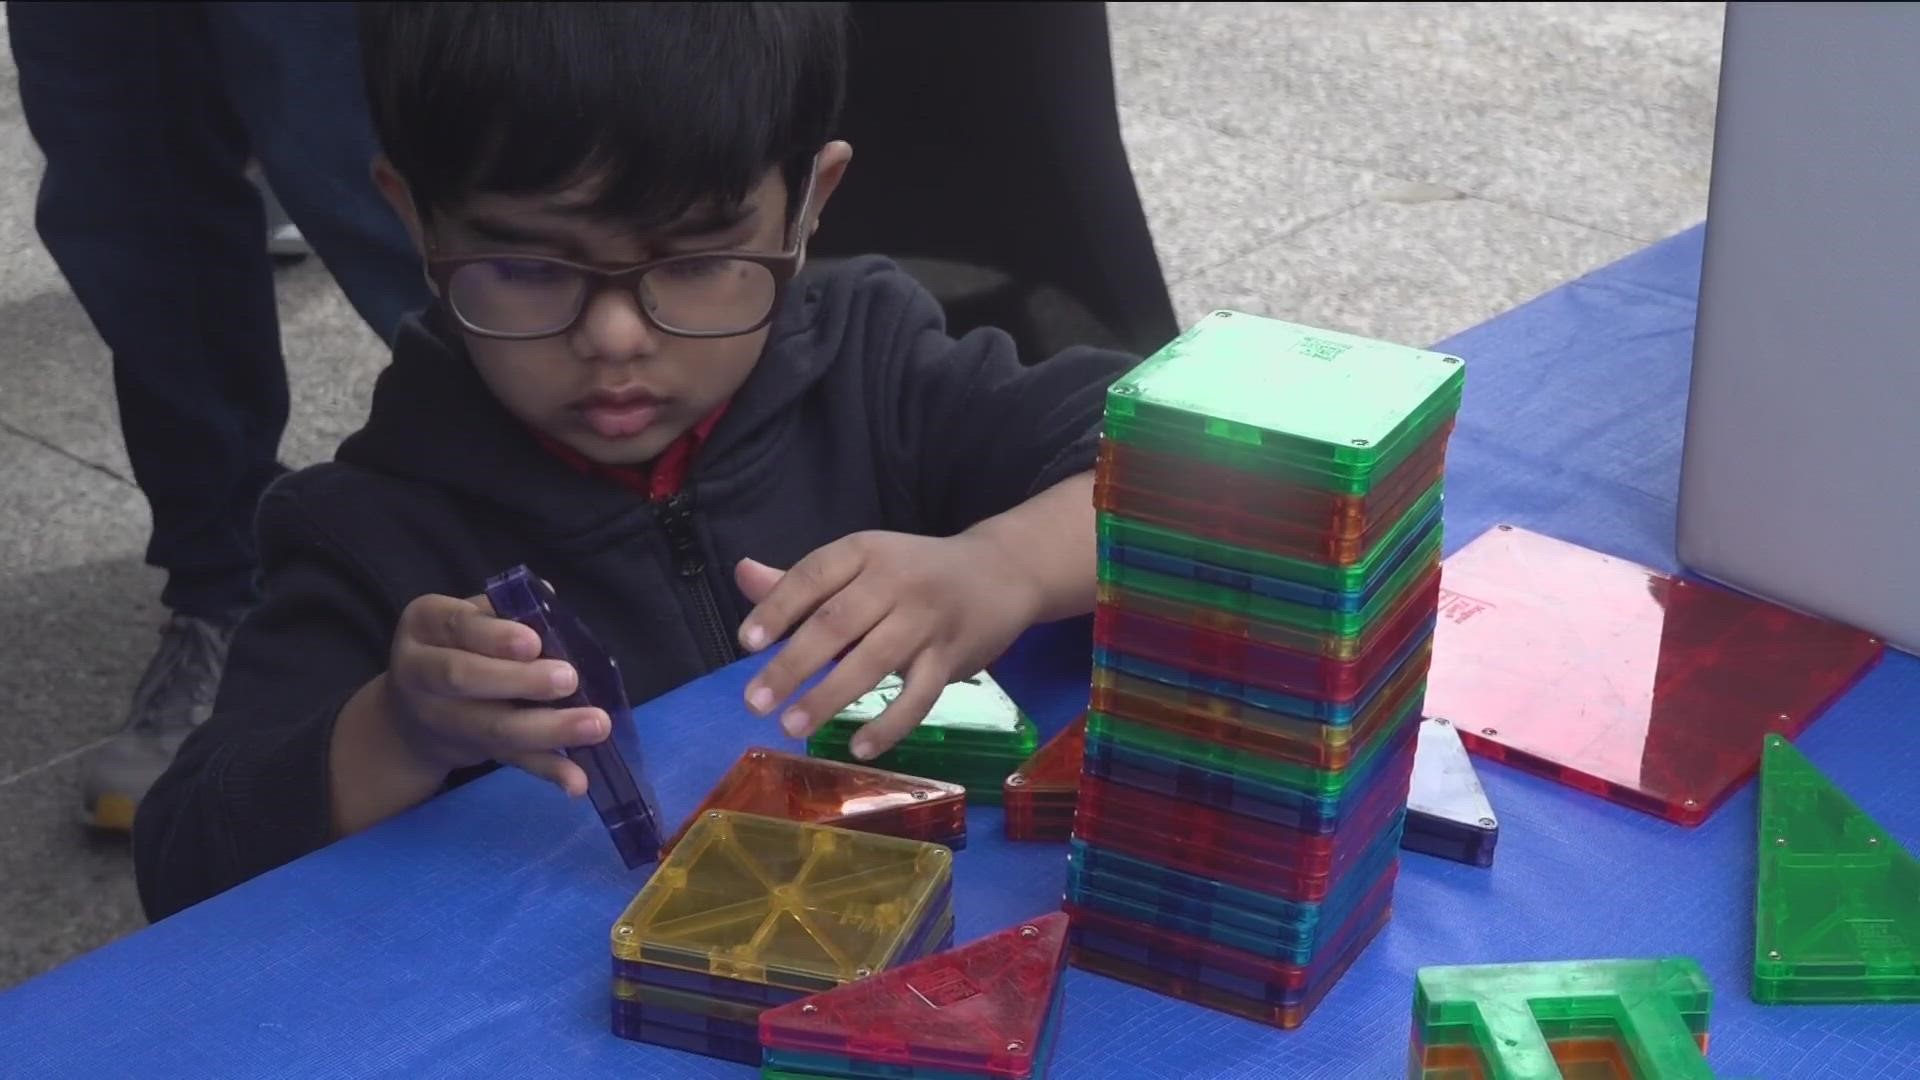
863	413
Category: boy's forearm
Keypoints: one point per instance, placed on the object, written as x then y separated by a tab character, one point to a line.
1050	537
373	774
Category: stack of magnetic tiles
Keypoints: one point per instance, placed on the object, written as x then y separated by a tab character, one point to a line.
1269	501
749	912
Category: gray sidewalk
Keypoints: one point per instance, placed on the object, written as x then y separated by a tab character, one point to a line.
1399	170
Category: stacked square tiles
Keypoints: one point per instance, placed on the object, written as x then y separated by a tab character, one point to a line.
1270	501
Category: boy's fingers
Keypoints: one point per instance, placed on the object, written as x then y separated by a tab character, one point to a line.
479	630
832	628
756	579
551	767
879	653
924	683
820	575
457	673
508	730
470	624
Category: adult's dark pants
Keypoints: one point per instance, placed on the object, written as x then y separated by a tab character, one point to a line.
148	114
986	134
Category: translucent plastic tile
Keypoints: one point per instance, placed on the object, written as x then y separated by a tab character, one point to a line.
1318	622
1506	1006
1424	594
775	784
1193	768
1652	691
1256	663
811	1066
1270	540
1576	1059
1256	381
1837	900
1243	677
1363	577
733	999
1290	1015
808	1065
933	932
1448	814
1104	872
973	714
683	1007
685	1021
765	900
1257	731
1334	512
1290	944
1135	543
1556	1030
981	1008
624	801
638	1028
1260	803
1041	793
1234	971
1303	471
981	775
1238	850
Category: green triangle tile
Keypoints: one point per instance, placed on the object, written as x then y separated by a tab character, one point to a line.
1837	899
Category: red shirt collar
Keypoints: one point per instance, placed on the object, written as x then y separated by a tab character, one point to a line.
661	478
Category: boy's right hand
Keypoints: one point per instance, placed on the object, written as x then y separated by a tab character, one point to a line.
459	681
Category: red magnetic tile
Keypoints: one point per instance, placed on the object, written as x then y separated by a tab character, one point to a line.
774	784
1243	660
1330	512
1257	731
979	1008
1040	795
1652	691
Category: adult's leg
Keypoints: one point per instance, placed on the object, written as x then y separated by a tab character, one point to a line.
146	209
293	74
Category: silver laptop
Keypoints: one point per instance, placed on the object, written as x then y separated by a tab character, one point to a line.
1800	481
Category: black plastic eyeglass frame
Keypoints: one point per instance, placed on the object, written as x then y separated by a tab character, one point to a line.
783	266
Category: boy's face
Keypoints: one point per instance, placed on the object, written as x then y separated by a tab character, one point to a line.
612	385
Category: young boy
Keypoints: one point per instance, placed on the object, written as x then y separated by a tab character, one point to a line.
625	385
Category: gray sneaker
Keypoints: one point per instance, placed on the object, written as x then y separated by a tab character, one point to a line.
175	695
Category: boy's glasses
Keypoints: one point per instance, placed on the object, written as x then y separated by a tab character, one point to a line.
707	294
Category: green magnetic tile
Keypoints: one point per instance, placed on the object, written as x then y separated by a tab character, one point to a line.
973	714
1311	620
1318	394
1320	477
1018	743
1510	1009
1837	899
984	776
1553	1030
973	761
1355	577
1326	784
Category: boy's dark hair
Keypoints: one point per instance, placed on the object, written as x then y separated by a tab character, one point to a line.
659	106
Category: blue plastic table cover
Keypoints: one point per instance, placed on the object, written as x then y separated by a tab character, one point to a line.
469	937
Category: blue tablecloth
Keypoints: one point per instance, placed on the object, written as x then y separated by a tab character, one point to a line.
470	936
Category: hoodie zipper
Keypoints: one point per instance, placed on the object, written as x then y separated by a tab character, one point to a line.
675	514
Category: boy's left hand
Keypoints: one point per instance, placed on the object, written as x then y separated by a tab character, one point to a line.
933	610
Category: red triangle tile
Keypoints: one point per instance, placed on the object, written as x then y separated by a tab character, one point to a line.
1055	767
981	1008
